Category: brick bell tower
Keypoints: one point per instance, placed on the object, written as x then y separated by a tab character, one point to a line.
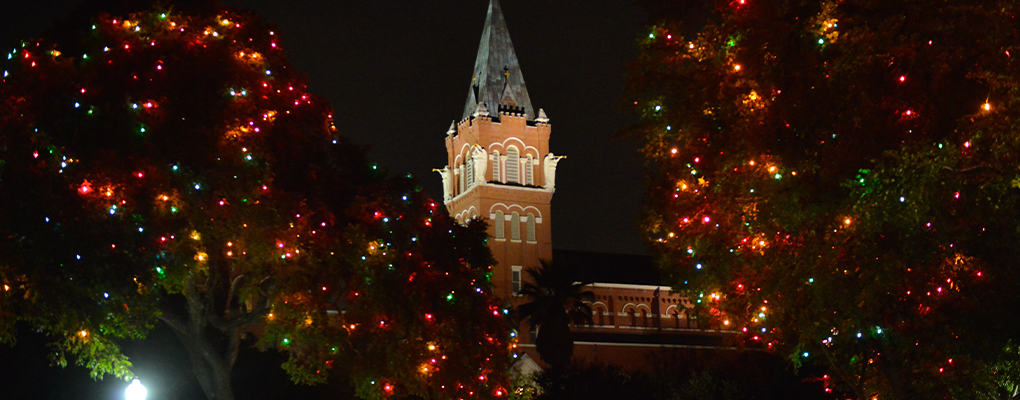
499	167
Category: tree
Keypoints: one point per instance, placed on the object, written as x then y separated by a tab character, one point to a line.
838	181
555	300
167	165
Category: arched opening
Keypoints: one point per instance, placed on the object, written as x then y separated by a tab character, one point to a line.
529	173
513	165
531	228
469	168
495	167
498	224
515	226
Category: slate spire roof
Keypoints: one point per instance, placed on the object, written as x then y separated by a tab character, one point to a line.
497	79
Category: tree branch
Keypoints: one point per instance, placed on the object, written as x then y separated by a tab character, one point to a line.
230	295
234	322
174	322
965	169
858	391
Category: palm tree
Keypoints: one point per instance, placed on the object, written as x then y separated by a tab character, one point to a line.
556	301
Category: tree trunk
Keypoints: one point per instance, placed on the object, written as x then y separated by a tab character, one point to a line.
211	367
210	362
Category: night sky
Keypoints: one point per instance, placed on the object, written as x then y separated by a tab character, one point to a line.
397	74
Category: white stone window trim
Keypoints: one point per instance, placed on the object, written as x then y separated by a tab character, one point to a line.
506	217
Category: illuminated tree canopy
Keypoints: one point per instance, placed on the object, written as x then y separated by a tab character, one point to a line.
839	181
169	166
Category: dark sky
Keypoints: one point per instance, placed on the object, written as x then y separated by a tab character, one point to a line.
397	73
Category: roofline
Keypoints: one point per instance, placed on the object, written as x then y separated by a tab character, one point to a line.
630	286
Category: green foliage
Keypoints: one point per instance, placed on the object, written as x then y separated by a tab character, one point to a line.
680	374
169	165
704	386
842	179
556	299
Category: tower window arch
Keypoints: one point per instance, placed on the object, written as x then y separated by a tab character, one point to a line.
531	228
515	227
513	165
529	174
469	167
499	223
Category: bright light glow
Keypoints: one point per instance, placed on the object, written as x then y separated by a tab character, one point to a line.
135	391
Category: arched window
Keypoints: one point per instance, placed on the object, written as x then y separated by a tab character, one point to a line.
469	168
513	165
529	174
531	228
515	227
495	167
460	173
499	223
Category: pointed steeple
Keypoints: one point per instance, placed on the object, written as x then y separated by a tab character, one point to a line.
497	77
